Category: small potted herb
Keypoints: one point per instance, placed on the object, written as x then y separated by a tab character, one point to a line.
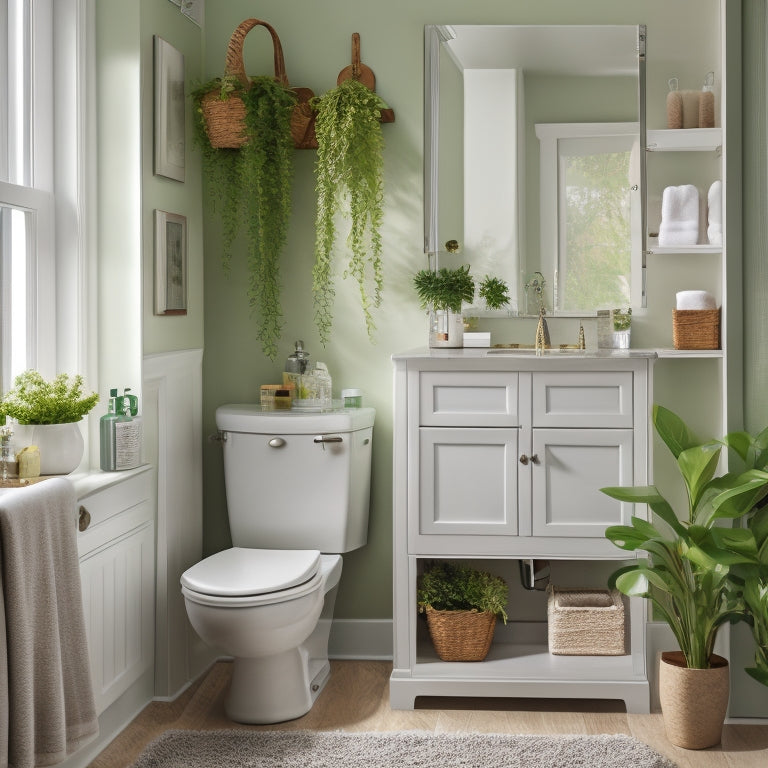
47	413
461	605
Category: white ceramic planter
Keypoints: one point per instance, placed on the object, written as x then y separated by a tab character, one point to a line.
61	445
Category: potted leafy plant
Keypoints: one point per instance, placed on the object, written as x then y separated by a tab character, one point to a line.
686	575
250	188
444	291
47	413
461	605
349	166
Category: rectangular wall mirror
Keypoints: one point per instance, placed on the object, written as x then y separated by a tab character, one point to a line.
534	160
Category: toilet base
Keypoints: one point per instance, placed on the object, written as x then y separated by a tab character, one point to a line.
272	689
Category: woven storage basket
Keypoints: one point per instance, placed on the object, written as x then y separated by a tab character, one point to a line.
461	635
696	328
585	622
225	118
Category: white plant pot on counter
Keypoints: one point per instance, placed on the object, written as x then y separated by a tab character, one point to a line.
61	445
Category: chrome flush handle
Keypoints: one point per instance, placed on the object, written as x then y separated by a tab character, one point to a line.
276	442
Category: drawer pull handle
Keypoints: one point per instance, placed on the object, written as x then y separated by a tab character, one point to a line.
524	460
83	519
276	442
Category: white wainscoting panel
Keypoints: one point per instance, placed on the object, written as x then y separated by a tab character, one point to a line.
173	444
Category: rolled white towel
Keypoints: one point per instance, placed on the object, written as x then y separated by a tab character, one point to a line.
715	213
679	216
695	300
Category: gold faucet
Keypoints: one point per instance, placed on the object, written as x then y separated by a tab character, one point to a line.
542	334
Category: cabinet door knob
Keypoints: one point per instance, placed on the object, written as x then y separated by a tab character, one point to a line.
524	460
535	459
83	519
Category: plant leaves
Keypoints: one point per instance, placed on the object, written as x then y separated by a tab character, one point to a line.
697	465
673	430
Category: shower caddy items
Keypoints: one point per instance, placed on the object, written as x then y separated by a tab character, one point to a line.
120	433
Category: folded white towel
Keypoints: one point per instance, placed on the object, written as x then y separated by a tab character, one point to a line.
715	213
695	300
679	216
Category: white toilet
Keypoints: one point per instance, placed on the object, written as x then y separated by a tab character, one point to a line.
298	488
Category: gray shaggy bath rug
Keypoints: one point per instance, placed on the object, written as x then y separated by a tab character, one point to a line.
311	749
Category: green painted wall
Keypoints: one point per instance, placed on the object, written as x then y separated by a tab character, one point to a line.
316	42
167	333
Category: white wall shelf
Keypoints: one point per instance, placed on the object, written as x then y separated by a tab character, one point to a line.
684	140
671	250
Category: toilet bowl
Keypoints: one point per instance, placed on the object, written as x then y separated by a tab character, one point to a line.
298	490
266	609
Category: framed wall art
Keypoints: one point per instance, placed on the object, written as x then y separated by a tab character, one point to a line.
170	111
170	263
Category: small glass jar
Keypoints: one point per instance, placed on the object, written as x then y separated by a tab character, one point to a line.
282	399
352	398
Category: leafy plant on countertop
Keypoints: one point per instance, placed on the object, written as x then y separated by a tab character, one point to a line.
445	289
33	400
494	291
250	189
349	167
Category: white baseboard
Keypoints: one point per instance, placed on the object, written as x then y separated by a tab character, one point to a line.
361	639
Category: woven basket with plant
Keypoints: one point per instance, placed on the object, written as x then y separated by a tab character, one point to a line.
461	605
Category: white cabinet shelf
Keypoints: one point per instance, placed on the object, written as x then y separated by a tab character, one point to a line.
684	140
663	250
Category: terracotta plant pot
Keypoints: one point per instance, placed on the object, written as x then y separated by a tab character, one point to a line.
693	701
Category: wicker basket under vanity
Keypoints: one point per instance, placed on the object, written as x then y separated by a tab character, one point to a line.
585	622
696	328
461	635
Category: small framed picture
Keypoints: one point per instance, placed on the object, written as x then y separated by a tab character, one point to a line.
169	111
170	263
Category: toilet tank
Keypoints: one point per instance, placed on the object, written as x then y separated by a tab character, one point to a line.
297	480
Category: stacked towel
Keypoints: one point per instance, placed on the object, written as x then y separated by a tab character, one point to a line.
695	300
679	216
715	213
46	698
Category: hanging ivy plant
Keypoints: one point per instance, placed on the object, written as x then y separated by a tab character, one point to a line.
250	189
349	167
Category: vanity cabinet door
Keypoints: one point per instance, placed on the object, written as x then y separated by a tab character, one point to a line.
570	468
468	482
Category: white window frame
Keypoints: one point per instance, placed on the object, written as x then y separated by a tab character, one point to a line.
54	187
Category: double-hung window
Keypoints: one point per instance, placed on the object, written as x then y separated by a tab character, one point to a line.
40	199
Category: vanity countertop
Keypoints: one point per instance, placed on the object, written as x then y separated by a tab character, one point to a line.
490	353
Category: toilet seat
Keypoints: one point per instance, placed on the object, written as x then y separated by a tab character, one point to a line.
252	576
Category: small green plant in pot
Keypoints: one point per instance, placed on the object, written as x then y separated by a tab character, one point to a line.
461	605
47	415
443	292
687	573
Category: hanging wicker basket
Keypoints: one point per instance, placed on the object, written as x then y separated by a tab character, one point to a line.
225	118
461	635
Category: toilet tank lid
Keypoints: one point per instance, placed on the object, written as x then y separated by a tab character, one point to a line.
240	571
248	417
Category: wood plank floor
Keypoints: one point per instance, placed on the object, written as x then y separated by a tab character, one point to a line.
357	699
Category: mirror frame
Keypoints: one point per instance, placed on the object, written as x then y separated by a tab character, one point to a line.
434	36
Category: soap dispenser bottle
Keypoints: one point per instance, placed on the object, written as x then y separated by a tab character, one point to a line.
107	434
127	432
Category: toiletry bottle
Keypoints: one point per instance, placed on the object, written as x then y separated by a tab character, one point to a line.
707	102
127	435
107	434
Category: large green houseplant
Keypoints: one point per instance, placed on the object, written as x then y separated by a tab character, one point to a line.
686	574
349	167
250	189
461	604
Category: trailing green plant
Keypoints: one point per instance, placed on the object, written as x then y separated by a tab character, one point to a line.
33	400
349	167
687	572
494	291
445	289
447	586
250	189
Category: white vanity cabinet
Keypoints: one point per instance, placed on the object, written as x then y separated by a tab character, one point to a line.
500	458
116	546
